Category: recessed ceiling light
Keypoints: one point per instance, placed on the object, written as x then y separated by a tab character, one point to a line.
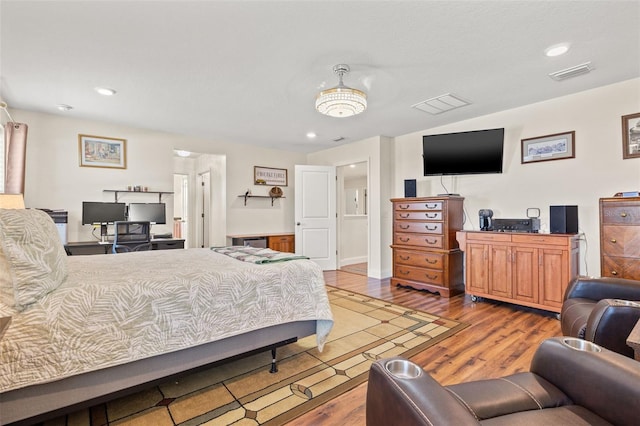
105	91
64	107
183	153
311	135
557	49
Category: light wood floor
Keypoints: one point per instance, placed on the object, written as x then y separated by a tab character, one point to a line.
501	339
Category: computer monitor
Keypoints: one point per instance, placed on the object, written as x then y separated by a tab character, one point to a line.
98	213
148	212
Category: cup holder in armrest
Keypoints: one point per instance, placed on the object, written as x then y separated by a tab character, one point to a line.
403	369
581	345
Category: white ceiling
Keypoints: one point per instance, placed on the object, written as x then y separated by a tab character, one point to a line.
248	71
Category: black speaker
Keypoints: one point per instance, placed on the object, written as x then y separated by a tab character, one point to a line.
563	219
409	188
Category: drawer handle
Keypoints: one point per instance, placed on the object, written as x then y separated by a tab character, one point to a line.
613	240
431	277
623	214
431	215
401	207
405	240
431	206
431	262
404	216
405	258
404	226
614	272
429	228
428	241
404	272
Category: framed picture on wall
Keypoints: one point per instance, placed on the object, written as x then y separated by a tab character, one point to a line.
631	136
102	151
269	176
550	147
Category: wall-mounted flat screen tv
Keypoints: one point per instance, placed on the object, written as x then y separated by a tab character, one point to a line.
148	212
97	213
462	153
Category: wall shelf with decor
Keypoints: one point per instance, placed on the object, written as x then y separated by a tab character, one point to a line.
118	191
246	196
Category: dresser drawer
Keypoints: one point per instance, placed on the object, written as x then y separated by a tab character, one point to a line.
411	215
421	227
539	239
418	274
431	241
622	214
421	259
424	205
621	241
620	267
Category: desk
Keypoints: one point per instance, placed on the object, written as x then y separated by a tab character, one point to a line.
96	247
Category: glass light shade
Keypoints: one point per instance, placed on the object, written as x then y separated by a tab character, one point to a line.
341	101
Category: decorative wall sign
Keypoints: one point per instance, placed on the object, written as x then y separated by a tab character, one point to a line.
631	136
551	147
269	176
101	151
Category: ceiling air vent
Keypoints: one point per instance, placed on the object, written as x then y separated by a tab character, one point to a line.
440	104
571	72
338	139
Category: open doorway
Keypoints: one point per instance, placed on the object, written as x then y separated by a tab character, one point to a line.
353	219
201	181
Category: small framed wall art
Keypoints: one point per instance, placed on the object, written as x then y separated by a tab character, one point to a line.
101	151
550	147
631	136
269	176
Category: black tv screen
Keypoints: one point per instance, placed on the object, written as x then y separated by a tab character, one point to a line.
100	213
463	153
147	212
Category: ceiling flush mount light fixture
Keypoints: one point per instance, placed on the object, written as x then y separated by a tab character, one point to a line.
557	49
182	153
105	91
64	107
341	101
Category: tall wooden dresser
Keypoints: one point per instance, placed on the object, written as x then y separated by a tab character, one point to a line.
425	251
620	237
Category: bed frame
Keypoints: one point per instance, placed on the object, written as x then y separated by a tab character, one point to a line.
33	404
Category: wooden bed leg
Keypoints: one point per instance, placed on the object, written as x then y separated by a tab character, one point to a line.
274	368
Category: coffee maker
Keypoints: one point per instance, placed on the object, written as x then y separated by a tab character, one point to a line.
485	216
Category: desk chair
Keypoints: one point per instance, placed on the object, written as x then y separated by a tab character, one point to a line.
131	236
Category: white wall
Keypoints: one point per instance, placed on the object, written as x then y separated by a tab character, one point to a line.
55	180
597	170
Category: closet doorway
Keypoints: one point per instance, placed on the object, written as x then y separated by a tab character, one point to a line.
353	218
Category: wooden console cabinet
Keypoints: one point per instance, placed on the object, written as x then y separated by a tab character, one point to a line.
526	269
425	251
620	237
284	243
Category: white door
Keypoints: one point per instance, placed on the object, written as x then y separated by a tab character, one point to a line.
315	214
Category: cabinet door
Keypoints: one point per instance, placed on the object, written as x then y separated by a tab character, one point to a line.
500	270
284	243
477	266
525	273
554	276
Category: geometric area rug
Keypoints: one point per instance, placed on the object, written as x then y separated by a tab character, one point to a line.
243	392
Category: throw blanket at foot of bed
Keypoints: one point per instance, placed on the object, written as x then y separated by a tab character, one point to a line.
257	255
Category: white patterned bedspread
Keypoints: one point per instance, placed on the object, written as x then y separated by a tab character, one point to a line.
113	309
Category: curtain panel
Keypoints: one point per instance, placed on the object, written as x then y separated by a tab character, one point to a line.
15	150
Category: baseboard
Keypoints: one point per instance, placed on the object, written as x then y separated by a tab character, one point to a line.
352	260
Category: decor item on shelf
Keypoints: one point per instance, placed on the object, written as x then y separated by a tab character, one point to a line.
100	151
275	192
341	101
631	136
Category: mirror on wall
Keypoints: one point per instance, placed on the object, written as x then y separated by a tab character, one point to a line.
355	201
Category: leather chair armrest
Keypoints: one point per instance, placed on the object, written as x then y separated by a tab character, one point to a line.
393	400
603	288
604	382
611	322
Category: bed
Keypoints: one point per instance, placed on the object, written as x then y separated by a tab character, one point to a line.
87	328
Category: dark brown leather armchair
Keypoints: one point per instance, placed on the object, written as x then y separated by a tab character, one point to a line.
566	384
602	310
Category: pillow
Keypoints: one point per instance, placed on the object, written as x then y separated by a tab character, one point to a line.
34	252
